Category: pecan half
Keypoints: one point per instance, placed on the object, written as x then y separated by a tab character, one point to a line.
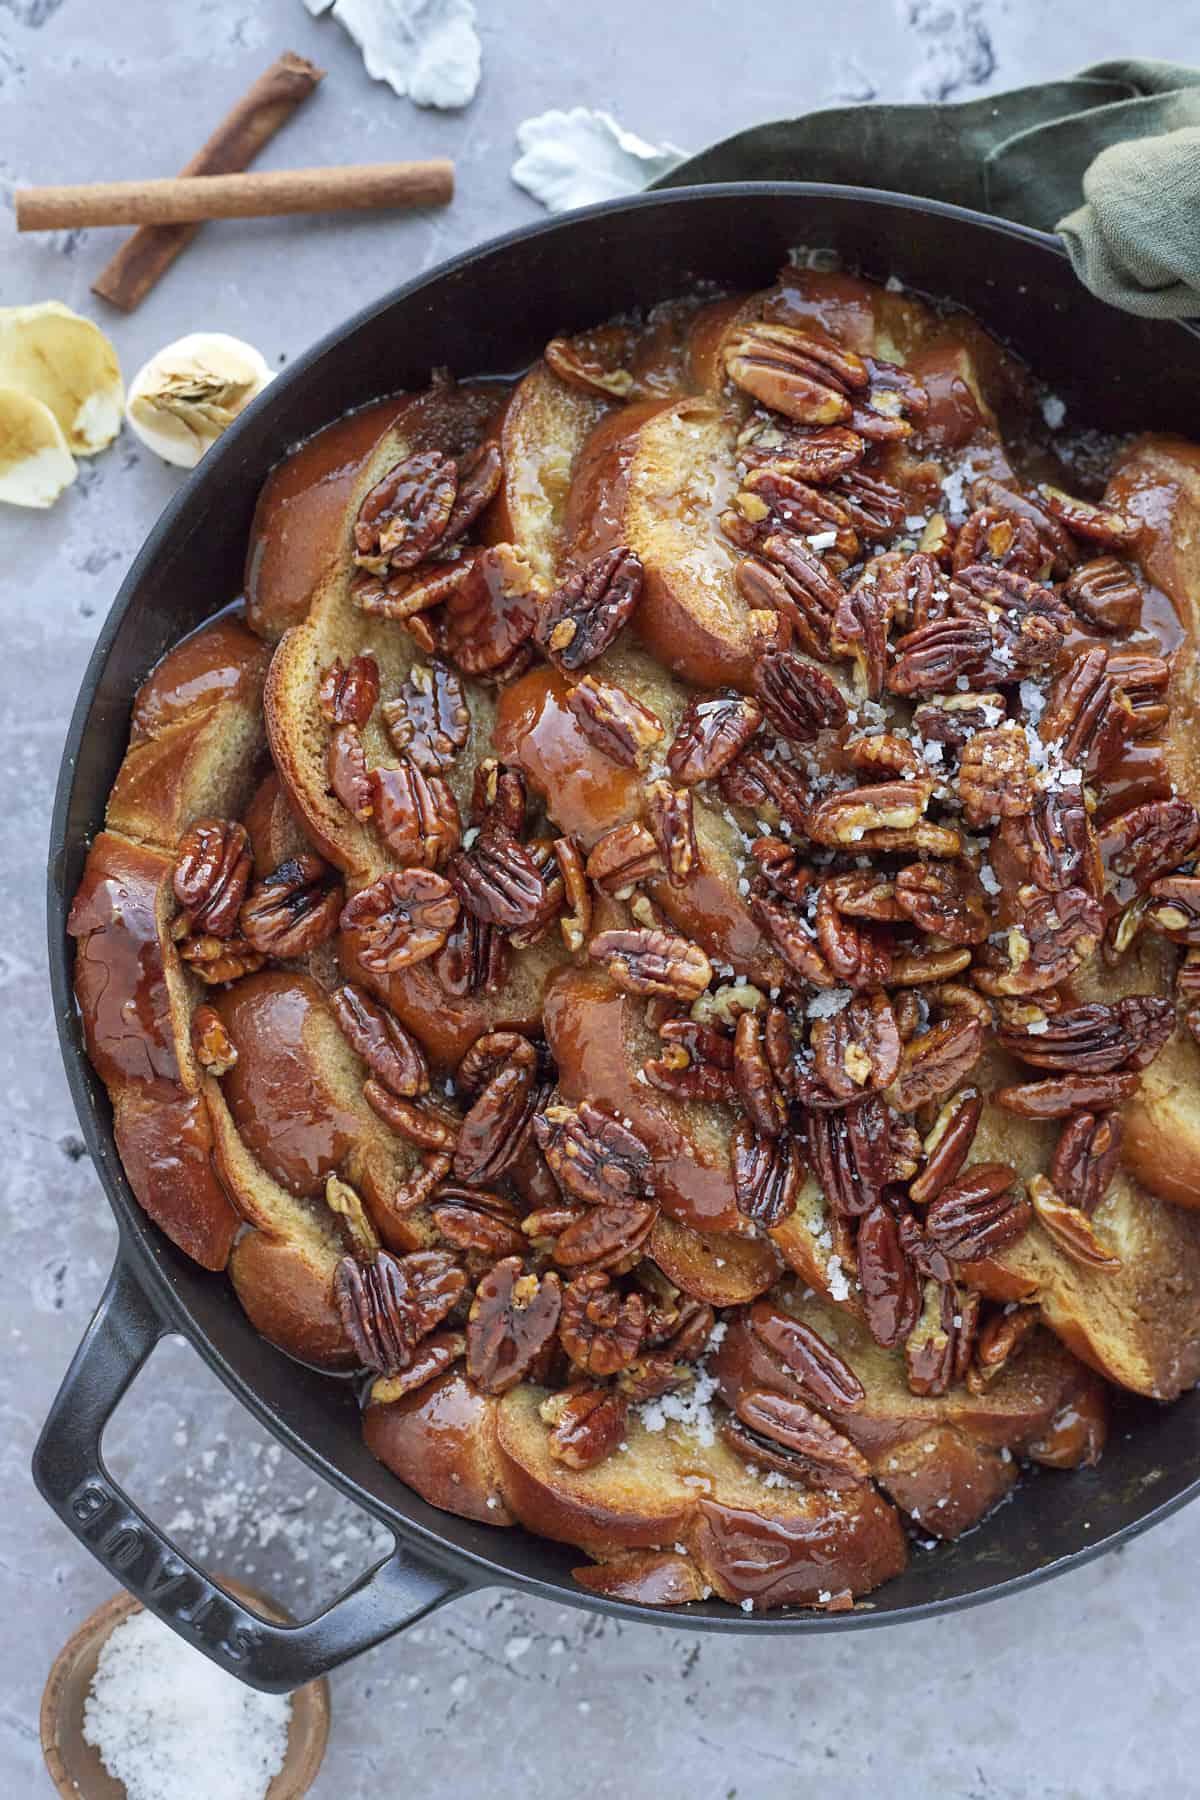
857	1050
1085	1159
934	657
1055	843
586	611
946	899
769	790
403	918
594	1159
474	1219
421	1122
804	377
860	630
513	1317
672	820
1065	1094
830	1460
417	815
348	694
846	818
1070	1228
1087	715
754	1079
346	769
215	1050
652	962
818	456
1098	524
498	881
998	1341
572	364
1150	840
877	509
820	1371
431	1358
429	720
473	960
1144	681
605	1237
293	909
600	1329
389	1305
995	776
979	1213
1094	1039
587	1425
890	1293
935	1063
954	719
993	534
948	1145
212	872
616	723
788	578
1057	934
405	515
1105	594
623	857
799	699
937	1352
710	735
851	1153
492	611
214	960
390	1052
575	922
1174	908
767	1172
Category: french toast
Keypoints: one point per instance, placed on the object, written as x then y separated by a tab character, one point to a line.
665	937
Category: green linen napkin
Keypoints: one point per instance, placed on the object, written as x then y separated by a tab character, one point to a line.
1124	136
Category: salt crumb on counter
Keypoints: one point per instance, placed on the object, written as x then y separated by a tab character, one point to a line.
171	1725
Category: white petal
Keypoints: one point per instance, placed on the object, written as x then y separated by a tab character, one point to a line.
428	50
576	158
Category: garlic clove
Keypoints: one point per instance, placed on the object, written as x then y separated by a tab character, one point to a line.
35	460
67	363
185	396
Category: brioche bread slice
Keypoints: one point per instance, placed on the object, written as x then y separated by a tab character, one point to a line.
541	432
766	1544
196	734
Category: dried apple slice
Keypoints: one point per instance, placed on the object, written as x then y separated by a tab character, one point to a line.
36	465
66	362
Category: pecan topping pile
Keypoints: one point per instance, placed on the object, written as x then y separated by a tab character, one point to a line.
685	964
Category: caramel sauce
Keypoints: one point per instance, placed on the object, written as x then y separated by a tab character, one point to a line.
297	1130
774	1560
841	306
585	791
587	1029
708	909
446	1024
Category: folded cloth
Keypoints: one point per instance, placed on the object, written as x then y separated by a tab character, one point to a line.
1124	136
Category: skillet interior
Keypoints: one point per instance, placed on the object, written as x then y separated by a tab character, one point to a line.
492	310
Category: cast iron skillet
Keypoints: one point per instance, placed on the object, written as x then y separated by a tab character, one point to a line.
493	309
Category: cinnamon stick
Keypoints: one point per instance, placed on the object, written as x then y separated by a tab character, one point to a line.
354	187
263	109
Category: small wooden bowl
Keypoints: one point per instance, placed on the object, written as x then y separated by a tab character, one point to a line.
75	1767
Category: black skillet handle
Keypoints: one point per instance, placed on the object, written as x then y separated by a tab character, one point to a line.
70	1473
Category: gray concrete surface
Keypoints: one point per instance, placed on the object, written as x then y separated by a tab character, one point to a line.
1082	1689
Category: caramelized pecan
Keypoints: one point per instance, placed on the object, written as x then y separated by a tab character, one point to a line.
473	960
474	1219
772	501
945	899
818	456
575	922
498	881
586	611
348	694
492	611
934	1064
1094	1039
1087	715
1065	1094
1070	1228
587	1425
616	723
851	1155
1055	844
417	814
998	1341
594	1159
212	871
937	1352
769	790
605	1237
407	595
948	1145
1105	594
954	719
600	1329
790	579
429	720
431	1358
214	1049
754	1079
820	1371
1174	908
405	515
978	1214
214	960
711	734
622	857
670	812
1057	934
1098	524
992	534
421	1122
767	1172
891	1296
293	909
846	818
995	776
858	1049
1085	1159
346	768
804	377
829	1459
1152	839
799	699
390	1052
935	657
652	962
513	1317
571	363
491	1135
389	1305
877	509
403	917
